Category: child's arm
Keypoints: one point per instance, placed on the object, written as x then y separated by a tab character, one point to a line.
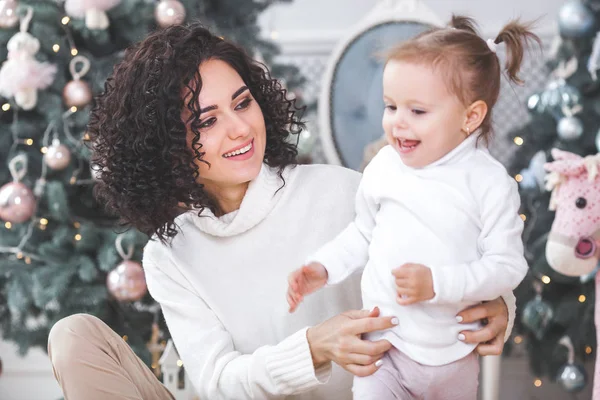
346	253
349	250
305	280
502	265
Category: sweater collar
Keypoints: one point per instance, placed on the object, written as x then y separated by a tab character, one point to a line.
260	198
459	153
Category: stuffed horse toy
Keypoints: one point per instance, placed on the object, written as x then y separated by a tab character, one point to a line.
573	246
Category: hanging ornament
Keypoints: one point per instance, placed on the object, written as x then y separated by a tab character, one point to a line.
576	21
94	11
17	202
594	60
77	92
8	14
21	74
537	314
571	377
306	144
569	128
95	172
58	156
556	97
127	281
169	12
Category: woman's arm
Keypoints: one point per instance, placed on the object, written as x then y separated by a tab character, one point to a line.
215	368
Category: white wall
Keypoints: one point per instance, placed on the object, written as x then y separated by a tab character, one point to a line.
28	378
326	20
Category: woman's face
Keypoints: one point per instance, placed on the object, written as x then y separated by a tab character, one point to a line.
232	128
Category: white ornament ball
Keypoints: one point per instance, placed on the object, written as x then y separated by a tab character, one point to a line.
17	203
77	93
57	157
8	14
569	128
169	12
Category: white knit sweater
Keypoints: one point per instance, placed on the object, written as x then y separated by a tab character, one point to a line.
459	216
222	285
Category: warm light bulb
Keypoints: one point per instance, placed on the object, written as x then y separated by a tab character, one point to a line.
65	20
518	140
537	382
5	107
78	237
518	339
56	48
546	279
582	298
518	177
74	52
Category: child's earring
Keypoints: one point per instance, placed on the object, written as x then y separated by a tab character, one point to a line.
468	132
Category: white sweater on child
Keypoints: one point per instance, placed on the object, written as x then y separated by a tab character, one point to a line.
459	217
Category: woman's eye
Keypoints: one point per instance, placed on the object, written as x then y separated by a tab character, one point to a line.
244	104
418	112
208	123
390	107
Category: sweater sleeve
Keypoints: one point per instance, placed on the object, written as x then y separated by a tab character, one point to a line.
502	265
349	250
216	370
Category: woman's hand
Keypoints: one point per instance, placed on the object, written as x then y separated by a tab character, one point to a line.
339	340
490	338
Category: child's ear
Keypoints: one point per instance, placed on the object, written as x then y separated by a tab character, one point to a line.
476	113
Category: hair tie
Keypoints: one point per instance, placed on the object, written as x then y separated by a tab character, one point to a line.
492	45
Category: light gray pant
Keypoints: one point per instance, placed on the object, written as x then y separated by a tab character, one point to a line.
91	362
402	378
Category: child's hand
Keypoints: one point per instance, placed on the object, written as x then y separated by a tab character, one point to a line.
414	284
304	281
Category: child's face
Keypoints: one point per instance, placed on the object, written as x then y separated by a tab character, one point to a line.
422	120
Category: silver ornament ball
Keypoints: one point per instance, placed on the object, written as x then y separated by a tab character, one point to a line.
17	203
557	96
57	157
570	128
572	378
576	20
8	14
169	12
77	93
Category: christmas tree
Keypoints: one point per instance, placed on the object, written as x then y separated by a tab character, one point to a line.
555	312
60	252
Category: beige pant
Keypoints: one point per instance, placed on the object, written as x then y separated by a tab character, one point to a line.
91	362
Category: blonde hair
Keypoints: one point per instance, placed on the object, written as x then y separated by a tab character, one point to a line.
468	64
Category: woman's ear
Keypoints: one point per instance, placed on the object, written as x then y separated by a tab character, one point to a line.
476	113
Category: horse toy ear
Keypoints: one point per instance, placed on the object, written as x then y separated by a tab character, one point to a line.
558	154
566	163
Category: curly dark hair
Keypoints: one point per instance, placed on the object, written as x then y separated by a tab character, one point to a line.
146	171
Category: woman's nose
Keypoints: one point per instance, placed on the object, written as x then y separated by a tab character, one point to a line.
238	127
